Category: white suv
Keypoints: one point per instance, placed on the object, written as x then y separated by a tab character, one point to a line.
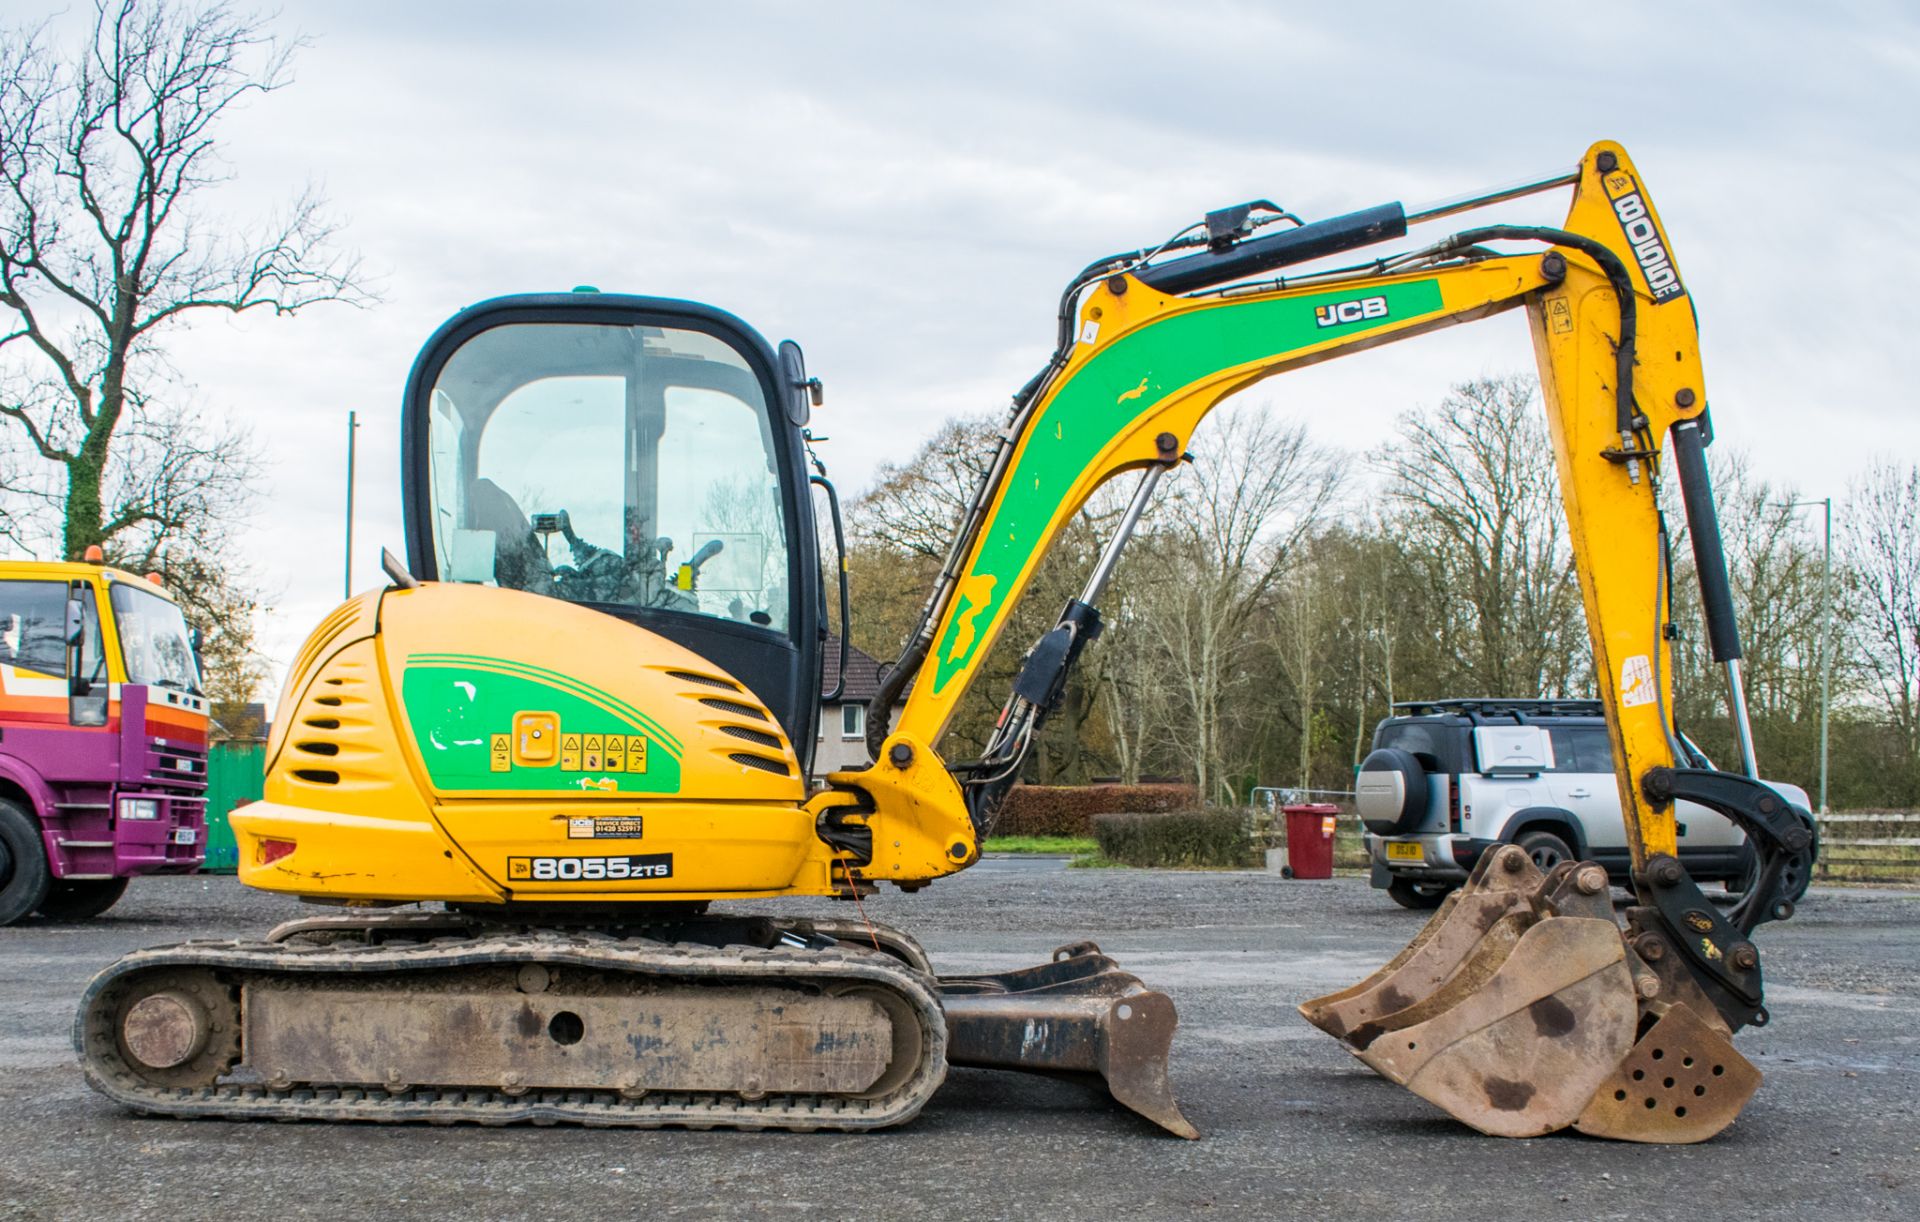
1447	779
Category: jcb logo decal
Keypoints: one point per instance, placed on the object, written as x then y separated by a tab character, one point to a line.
1343	312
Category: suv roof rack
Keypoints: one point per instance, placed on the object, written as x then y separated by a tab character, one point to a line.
1490	706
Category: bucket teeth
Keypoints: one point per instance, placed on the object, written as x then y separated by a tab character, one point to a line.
1516	1010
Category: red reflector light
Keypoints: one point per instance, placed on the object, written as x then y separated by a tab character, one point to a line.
273	850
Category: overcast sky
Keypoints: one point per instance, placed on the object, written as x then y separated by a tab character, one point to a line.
905	187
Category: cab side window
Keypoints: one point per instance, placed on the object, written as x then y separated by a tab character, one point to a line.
33	617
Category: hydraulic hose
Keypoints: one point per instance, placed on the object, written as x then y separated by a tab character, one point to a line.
1615	271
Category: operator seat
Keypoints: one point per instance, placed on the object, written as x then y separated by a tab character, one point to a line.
519	560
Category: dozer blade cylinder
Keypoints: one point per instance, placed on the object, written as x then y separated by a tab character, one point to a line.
1078	1014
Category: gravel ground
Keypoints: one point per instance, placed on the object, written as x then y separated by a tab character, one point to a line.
1293	1125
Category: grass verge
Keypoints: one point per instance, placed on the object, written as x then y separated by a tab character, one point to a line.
1040	844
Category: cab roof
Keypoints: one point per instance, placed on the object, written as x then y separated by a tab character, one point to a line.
72	570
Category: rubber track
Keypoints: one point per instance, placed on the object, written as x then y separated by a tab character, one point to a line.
108	1073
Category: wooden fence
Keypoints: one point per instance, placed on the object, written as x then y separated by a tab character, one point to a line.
1870	846
1876	846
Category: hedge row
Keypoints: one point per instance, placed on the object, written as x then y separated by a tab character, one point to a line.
1175	838
1069	810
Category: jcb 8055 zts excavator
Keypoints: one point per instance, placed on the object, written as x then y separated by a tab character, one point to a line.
584	711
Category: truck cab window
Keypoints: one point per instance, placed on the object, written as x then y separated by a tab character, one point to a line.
33	617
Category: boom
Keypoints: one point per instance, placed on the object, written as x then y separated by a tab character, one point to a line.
1146	351
1140	367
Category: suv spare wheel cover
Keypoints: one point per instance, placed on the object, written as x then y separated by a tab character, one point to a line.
1391	791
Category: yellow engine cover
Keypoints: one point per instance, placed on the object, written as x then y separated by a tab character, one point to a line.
466	743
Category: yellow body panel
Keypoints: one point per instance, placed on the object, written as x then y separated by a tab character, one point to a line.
402	766
431	774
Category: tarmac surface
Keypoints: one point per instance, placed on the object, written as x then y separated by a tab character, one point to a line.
1293	1126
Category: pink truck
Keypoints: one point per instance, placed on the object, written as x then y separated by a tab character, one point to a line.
103	738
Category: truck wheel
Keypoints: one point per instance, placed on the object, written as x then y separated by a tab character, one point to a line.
1546	849
1409	894
82	898
24	877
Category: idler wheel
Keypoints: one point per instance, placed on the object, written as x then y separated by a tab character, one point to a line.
175	1027
164	1030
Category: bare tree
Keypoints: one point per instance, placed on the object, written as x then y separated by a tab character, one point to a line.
1881	539
915	505
1301	621
1475	481
1225	532
106	152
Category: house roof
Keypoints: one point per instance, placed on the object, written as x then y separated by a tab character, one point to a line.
864	673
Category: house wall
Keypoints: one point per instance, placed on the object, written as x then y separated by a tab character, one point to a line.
832	750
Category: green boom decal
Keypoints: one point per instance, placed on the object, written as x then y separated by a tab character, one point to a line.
461	708
1135	374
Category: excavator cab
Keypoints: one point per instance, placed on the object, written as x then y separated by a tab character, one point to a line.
642	457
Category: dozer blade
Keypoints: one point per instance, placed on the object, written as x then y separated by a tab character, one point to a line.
1077	1015
1501	884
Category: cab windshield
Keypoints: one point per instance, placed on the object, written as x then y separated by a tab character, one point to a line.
153	640
618	466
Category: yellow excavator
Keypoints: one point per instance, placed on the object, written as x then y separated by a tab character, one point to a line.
582	713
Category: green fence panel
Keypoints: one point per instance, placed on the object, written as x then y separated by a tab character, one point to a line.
236	775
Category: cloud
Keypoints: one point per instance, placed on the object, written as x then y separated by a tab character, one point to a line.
904	188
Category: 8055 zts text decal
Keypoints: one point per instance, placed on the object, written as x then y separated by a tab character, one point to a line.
589	869
1648	250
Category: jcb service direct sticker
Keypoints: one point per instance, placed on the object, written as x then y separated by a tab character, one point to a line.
625	827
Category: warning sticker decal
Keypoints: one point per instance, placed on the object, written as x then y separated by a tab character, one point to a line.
1636	681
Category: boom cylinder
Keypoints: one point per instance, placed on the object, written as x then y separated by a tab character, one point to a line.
1710	560
1303	245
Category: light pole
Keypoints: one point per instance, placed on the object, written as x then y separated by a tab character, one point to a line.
1826	631
353	425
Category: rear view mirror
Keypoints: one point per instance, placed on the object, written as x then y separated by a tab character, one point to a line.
801	393
76	623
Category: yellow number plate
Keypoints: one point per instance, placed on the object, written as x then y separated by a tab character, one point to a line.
1409	851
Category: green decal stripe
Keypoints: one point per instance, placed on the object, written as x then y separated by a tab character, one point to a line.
554	678
594	695
1116	387
456	712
